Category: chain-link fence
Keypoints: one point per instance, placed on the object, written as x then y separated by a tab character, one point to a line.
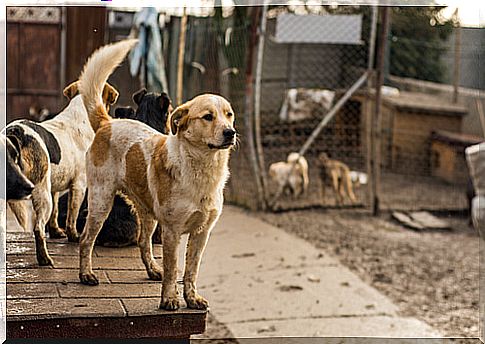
311	59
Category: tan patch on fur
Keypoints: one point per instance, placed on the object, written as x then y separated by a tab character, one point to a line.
196	221
99	118
136	175
100	147
164	180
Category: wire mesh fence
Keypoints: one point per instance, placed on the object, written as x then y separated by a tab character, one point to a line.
311	58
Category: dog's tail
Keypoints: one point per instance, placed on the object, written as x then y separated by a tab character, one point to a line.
95	74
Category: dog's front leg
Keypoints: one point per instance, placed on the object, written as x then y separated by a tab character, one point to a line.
170	244
195	247
76	196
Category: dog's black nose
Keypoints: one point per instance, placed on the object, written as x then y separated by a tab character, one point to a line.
229	133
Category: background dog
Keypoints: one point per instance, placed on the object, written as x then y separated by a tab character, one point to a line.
298	180
52	157
337	174
18	186
177	180
120	228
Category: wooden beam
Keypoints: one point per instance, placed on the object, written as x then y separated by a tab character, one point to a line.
180	59
377	119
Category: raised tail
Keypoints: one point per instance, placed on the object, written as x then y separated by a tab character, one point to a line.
95	74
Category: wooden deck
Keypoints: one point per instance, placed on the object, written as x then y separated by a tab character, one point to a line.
46	302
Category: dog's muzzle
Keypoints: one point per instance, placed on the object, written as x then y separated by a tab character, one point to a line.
229	139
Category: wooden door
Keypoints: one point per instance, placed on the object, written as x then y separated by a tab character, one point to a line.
33	59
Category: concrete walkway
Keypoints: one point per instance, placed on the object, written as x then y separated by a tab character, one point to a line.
262	281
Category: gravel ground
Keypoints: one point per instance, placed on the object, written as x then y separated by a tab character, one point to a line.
431	275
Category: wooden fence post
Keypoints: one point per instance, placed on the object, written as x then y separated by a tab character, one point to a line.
377	120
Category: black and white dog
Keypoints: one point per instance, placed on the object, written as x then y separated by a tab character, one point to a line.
52	157
120	228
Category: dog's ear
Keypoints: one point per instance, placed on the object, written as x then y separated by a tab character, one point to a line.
138	95
71	90
110	94
14	148
164	102
176	117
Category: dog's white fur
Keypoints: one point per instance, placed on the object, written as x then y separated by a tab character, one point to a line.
74	135
177	180
298	179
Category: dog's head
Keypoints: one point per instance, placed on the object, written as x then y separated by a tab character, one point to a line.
110	94
323	157
18	186
153	109
206	121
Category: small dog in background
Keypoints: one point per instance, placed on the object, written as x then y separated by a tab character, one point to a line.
339	175
297	183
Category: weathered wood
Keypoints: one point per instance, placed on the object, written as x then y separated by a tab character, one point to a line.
180	57
377	120
45	302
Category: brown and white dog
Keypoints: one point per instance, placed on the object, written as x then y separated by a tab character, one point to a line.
52	157
297	183
177	180
337	174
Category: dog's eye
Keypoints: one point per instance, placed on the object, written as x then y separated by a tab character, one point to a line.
229	114
208	117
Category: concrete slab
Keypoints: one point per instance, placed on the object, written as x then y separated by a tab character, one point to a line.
371	326
257	276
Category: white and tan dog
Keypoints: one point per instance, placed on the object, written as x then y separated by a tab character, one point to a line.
177	180
52	157
298	180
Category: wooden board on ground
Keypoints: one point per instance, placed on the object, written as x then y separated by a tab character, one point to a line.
49	302
420	220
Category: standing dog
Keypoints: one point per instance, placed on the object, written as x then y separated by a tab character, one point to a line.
177	180
52	156
340	178
121	227
297	183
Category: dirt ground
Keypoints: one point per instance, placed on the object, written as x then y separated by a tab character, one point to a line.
431	275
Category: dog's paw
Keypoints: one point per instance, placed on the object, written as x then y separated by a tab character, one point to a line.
56	233
196	302
155	273
72	237
44	260
170	303
88	279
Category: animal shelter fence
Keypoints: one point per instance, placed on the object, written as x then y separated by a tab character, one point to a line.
288	71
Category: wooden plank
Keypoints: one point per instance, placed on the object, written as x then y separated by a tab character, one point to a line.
22	310
69	262
31	291
36	275
170	325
